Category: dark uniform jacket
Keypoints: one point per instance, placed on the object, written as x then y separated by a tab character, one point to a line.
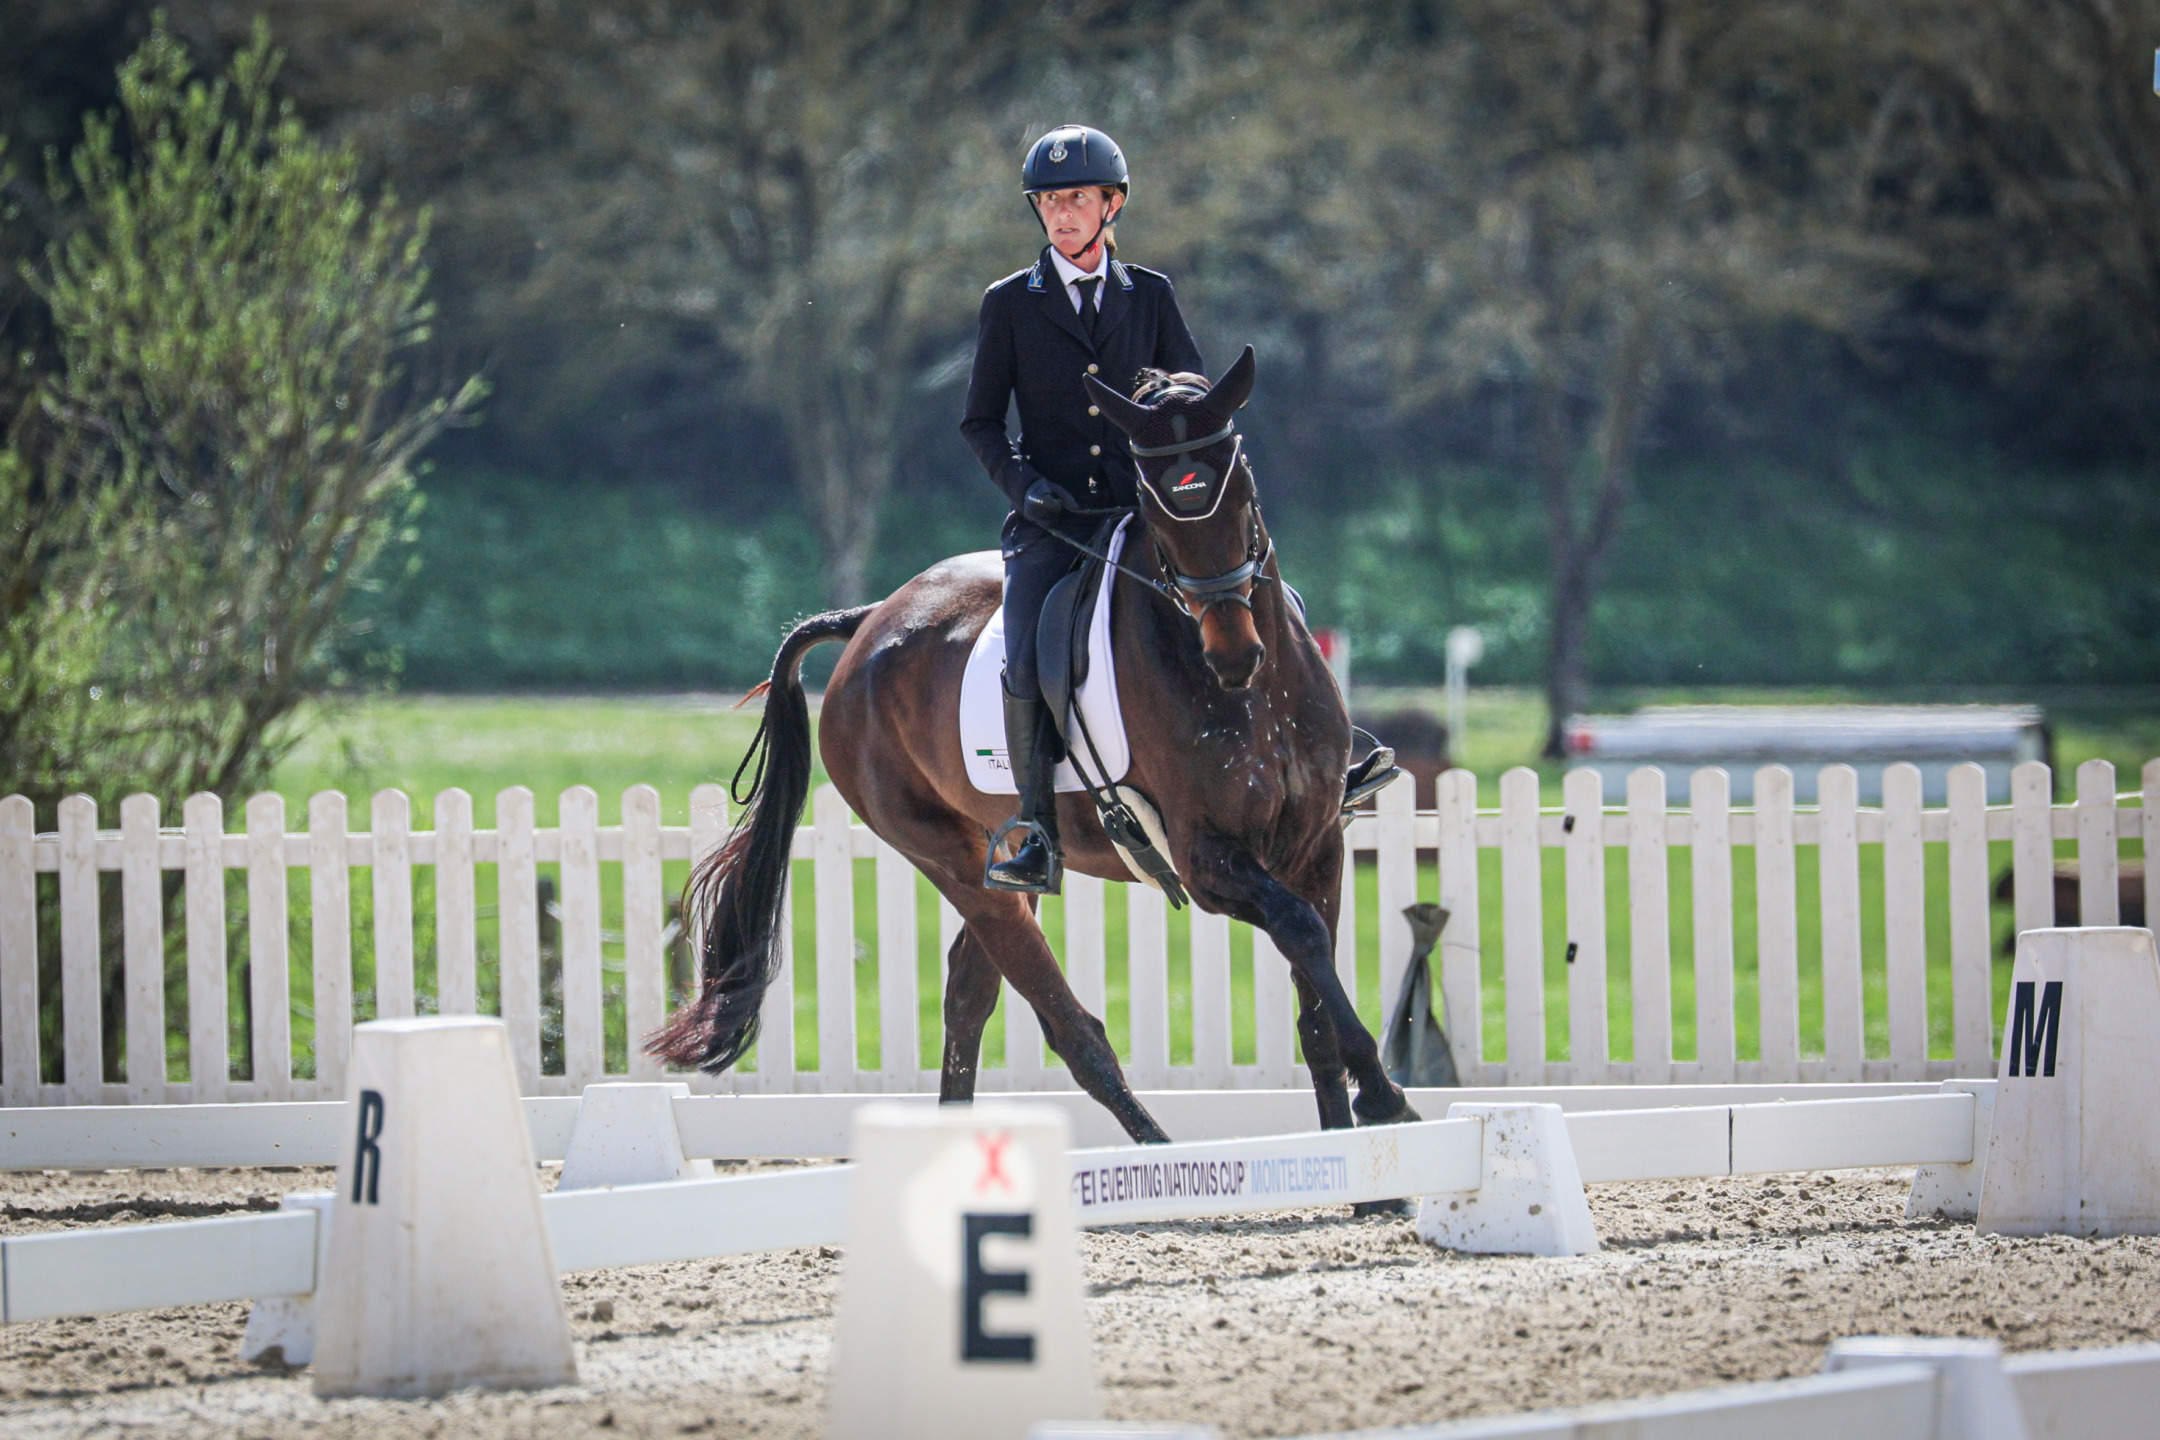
1032	344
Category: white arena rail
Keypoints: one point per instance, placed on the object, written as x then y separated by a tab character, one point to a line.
589	858
134	1267
772	1127
2108	1394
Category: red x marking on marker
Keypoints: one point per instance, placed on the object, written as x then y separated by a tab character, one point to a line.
993	1153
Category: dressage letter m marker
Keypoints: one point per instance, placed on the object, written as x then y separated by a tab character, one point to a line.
2032	1033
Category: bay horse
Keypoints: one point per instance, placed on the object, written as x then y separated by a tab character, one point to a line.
1237	732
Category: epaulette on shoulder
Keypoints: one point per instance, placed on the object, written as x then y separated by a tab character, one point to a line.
1141	270
1009	279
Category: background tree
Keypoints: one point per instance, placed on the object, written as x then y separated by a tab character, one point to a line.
2020	144
1620	194
1879	264
809	184
229	318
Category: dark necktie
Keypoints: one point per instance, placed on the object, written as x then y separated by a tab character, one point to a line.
1087	303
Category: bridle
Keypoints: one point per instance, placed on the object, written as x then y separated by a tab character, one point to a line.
1208	591
1194	595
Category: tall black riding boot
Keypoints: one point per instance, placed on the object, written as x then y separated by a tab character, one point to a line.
1038	868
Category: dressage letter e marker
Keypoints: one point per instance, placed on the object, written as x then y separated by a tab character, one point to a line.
961	1313
979	1284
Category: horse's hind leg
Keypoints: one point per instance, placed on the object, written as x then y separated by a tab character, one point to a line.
971	993
1004	926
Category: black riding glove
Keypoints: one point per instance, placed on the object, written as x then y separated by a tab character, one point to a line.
1046	503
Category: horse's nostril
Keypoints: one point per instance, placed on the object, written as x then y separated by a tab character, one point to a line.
1235	672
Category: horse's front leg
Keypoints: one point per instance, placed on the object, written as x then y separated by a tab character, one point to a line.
971	993
1335	1038
1323	1056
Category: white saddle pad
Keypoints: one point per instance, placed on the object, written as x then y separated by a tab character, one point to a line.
982	704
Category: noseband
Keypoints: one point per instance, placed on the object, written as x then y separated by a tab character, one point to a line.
1208	591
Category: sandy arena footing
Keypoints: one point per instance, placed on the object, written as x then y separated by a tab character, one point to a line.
1296	1323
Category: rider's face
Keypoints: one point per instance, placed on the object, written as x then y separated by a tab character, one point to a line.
1073	217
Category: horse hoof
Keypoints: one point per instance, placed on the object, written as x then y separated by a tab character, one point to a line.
1403	1113
1364	1208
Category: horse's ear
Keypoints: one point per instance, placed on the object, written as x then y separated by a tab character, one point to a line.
1235	388
1127	415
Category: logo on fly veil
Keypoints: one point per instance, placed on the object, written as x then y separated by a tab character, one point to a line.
1188	486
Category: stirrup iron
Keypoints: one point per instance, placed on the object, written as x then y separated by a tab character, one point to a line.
1369	777
1054	866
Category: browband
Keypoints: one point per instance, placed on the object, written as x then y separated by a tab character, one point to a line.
1153	452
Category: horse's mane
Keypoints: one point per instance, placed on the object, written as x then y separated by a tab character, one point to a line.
1154	382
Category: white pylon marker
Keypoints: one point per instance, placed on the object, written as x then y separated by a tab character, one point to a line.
626	1135
1952	1192
286	1323
439	1274
2075	1148
1978	1402
961	1313
1531	1201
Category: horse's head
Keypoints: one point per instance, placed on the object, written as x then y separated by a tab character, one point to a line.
1196	496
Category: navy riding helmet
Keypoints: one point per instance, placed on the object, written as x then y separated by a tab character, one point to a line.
1072	156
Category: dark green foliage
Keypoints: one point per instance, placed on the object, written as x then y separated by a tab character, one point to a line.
1941	568
223	446
518	583
522	584
213	448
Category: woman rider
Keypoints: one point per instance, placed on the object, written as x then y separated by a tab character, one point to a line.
1076	311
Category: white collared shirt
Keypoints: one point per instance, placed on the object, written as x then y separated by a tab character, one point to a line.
1072	275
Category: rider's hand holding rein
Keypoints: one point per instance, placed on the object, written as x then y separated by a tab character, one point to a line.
1077	311
1045	503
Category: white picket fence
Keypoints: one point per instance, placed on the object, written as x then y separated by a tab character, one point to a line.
1584	828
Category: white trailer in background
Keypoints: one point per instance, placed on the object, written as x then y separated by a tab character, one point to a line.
1805	738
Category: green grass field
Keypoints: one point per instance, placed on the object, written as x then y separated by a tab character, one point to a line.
425	744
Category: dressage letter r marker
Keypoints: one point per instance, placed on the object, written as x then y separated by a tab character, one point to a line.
367	1160
981	1284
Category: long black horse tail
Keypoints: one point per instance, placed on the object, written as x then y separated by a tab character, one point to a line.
735	893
